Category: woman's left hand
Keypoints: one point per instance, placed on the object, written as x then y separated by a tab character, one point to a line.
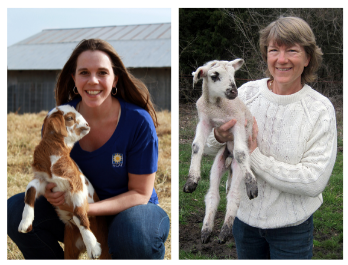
253	137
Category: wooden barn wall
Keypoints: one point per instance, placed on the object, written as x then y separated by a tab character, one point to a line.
33	91
30	91
158	81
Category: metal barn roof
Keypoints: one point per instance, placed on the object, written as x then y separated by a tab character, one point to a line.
138	46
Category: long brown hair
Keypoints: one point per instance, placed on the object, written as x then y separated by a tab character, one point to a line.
129	88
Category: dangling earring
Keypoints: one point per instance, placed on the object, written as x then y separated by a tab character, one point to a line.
114	94
75	90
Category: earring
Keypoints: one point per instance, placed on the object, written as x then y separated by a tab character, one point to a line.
114	94
75	90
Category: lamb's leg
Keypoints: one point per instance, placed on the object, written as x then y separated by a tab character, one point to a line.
202	132
233	199
34	189
228	165
241	155
213	197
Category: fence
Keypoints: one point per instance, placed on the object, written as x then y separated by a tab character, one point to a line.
30	97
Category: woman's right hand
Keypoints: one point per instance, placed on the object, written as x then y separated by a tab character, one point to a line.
55	198
223	133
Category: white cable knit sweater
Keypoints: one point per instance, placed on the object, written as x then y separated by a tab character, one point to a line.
297	145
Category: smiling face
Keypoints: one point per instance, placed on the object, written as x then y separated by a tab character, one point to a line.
94	77
286	63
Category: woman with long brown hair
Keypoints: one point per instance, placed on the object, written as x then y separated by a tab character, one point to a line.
119	157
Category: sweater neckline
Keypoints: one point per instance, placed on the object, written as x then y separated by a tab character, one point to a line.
282	99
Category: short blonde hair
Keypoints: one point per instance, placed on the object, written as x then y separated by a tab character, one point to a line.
289	31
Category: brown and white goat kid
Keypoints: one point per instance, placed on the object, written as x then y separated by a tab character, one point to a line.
63	126
217	105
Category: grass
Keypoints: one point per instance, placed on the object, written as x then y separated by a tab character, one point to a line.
23	134
328	219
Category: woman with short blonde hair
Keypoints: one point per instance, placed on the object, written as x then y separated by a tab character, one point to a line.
293	148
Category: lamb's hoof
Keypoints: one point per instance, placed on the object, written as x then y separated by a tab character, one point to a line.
225	234
251	186
25	228
190	186
95	252
228	161
205	236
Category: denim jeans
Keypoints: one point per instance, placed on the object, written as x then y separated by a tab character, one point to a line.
136	233
294	242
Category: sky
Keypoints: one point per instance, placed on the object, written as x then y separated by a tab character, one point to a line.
25	22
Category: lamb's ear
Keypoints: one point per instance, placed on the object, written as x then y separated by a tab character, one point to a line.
199	74
237	63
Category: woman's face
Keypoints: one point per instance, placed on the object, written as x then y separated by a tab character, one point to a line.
286	63
94	77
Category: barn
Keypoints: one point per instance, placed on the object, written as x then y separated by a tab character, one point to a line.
34	64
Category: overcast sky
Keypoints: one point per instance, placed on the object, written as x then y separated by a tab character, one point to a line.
25	22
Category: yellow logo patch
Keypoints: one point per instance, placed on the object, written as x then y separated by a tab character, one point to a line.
117	160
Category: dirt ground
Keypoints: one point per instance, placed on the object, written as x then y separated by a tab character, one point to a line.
190	238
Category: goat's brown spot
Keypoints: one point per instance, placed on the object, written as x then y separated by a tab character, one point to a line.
70	119
29	228
81	214
56	124
30	196
79	130
66	168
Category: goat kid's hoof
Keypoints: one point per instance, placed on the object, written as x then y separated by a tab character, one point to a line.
205	236
25	227
95	252
251	187
225	234
190	186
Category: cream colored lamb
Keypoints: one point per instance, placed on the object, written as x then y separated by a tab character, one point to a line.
217	105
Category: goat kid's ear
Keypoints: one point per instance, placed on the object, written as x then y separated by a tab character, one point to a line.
237	63
199	74
58	125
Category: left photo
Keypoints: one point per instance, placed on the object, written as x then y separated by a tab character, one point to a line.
89	134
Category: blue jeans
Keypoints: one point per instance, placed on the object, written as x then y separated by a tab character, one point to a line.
294	242
136	233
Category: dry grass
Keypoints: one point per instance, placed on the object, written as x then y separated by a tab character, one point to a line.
24	133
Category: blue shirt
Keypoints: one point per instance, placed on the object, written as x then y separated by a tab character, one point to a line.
133	148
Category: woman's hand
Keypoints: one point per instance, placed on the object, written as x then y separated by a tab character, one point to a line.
253	138
223	133
57	198
54	198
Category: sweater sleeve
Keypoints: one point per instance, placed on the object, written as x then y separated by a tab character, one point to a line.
310	176
212	146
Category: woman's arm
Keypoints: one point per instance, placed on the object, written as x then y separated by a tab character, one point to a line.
218	138
310	176
139	192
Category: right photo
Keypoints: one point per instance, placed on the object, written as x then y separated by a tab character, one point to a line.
261	133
